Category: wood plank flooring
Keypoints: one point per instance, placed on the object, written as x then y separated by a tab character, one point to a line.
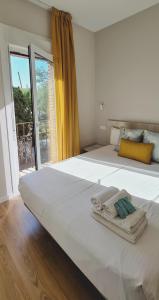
32	265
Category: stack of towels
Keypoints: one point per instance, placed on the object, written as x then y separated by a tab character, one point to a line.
114	209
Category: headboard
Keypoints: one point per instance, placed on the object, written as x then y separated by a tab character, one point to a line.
131	124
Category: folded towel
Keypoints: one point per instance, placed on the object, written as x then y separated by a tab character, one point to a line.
130	224
109	207
99	198
132	238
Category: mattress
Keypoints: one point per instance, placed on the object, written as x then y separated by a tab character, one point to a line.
59	196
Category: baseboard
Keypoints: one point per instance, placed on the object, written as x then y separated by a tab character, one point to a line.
8	197
4	198
14	196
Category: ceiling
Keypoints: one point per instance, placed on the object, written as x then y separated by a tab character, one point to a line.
98	14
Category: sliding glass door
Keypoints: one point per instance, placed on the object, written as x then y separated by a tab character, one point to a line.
44	110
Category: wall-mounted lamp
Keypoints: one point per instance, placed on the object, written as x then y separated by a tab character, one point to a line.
101	106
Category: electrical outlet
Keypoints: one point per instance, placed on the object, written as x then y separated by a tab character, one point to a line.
102	127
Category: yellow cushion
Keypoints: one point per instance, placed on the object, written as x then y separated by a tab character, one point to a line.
137	151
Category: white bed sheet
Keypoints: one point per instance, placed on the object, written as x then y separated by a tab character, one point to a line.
107	155
105	167
61	202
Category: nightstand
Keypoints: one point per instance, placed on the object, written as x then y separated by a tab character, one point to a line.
91	147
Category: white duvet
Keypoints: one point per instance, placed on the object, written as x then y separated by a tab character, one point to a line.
60	195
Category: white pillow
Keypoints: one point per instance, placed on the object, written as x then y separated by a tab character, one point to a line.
114	136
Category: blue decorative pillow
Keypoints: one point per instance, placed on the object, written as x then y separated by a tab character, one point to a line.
135	135
153	137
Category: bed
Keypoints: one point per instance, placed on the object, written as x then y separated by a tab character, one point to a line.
59	196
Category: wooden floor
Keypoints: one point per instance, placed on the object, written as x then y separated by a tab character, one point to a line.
32	265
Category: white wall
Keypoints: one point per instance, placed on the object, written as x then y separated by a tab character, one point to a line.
25	15
5	175
127	70
3	156
85	68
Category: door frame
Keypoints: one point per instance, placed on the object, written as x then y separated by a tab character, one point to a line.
32	51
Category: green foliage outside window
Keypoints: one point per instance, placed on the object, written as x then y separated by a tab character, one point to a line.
23	105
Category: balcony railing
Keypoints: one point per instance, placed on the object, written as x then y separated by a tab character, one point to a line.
25	141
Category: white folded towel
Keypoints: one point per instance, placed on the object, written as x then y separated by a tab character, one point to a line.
130	224
132	238
101	197
109	207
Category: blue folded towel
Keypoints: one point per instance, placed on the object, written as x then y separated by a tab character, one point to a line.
128	205
124	207
121	210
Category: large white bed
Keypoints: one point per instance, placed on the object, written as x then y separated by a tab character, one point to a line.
59	196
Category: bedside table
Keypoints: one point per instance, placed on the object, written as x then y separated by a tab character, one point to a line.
91	147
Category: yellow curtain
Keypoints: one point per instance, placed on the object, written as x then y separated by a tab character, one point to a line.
65	85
